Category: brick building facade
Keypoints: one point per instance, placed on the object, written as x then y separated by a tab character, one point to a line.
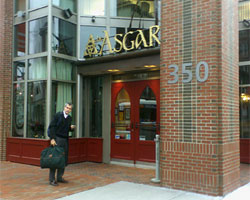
6	22
200	120
199	87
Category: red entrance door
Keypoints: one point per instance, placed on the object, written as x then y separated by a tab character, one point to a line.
135	120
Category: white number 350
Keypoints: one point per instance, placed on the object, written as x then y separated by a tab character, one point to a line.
188	72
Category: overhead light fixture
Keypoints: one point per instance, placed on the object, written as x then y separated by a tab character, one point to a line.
150	66
246	23
113	70
67	13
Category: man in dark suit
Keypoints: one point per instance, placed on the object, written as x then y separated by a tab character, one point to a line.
59	135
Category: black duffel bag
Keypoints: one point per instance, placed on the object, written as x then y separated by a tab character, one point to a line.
53	157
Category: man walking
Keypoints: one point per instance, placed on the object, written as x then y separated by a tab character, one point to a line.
59	135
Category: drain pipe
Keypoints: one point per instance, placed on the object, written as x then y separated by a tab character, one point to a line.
157	160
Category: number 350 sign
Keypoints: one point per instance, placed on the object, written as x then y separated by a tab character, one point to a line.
188	72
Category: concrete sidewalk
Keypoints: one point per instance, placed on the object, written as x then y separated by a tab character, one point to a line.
131	191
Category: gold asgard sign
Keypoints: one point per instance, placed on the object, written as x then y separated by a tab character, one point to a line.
124	41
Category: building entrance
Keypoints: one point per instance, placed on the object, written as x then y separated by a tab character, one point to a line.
135	120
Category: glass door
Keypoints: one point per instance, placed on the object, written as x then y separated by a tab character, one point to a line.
135	120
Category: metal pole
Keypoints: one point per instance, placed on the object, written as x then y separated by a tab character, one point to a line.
157	160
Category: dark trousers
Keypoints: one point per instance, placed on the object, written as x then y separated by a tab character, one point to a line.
61	142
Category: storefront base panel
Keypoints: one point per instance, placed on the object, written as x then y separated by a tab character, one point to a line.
27	151
245	150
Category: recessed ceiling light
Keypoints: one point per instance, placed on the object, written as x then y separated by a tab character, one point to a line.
150	66
113	70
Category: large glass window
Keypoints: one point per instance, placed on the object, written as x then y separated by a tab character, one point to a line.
37	68
19	71
94	7
37	3
86	44
63	69
19	40
245	74
65	4
36	109
64	37
95	107
20	5
244	10
244	48
133	8
38	35
61	93
18	110
245	112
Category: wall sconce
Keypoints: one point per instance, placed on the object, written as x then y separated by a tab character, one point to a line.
67	13
93	19
246	23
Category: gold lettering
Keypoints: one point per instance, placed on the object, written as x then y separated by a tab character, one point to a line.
153	35
119	42
125	39
106	40
140	35
90	47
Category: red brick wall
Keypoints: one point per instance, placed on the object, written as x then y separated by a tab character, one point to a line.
6	10
200	120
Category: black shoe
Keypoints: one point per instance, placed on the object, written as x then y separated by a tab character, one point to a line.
54	183
62	180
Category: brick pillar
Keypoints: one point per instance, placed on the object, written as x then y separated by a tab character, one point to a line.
200	99
6	12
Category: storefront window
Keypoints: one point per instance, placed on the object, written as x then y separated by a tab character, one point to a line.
65	4
245	112
19	41
18	110
36	109
244	10
19	71
95	107
244	44
148	109
85	44
132	8
63	70
64	37
62	93
37	68
94	7
20	5
37	3
38	35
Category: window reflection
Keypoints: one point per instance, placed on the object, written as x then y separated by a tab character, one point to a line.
18	110
122	116
19	49
19	70
95	107
38	35
244	45
64	37
37	3
20	5
132	8
94	7
37	68
65	4
147	115
36	109
245	112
